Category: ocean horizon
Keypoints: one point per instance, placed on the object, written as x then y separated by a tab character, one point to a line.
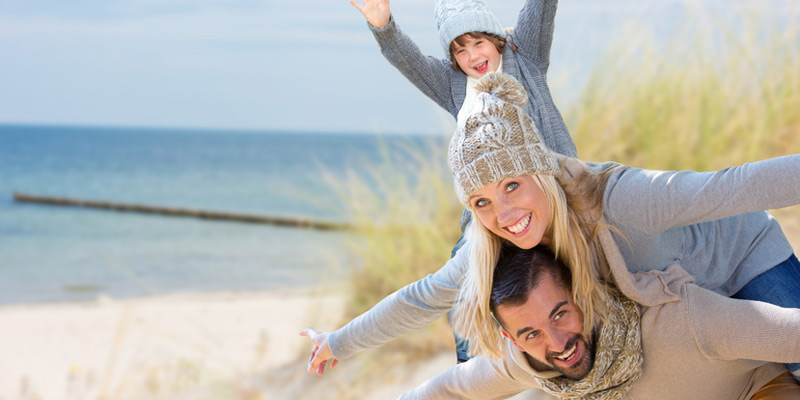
54	253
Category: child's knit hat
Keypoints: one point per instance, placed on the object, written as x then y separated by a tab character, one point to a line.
457	17
498	139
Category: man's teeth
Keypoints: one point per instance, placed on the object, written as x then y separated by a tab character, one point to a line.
519	226
570	352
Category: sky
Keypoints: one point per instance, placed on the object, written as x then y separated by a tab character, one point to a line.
267	65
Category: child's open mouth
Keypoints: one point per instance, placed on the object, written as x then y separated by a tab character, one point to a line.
482	68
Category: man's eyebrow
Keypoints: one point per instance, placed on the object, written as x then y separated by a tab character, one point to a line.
558	306
555	309
523	331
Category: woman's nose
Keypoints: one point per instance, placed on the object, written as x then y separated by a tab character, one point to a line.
504	209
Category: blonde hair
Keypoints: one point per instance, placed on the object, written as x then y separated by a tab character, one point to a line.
576	204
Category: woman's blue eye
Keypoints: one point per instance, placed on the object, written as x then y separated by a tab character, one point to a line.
481	203
511	186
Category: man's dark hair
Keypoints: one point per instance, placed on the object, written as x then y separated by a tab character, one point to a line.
519	271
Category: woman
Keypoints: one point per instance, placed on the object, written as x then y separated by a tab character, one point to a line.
601	219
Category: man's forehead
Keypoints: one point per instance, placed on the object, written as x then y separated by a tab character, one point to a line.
543	301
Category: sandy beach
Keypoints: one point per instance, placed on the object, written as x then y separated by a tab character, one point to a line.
191	346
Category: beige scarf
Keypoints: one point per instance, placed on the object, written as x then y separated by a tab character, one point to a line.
618	357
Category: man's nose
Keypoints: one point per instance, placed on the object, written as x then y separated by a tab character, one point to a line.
558	340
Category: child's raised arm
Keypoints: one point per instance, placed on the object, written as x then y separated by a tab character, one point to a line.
534	30
376	12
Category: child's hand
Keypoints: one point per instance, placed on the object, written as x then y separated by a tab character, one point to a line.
321	353
376	12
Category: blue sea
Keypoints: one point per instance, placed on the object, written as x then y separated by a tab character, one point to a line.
55	253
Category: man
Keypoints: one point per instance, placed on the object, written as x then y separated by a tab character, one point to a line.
701	346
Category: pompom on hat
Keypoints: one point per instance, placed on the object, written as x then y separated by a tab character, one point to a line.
498	140
457	17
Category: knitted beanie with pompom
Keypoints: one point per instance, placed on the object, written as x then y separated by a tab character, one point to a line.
457	17
498	140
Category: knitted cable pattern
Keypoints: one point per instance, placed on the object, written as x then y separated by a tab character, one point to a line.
498	139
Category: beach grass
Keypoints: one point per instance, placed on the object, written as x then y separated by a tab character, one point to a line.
717	93
407	217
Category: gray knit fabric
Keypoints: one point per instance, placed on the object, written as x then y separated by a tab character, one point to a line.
498	140
689	218
457	17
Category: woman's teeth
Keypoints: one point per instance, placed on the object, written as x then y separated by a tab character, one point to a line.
521	225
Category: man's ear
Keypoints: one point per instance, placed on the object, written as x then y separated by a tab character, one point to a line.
505	333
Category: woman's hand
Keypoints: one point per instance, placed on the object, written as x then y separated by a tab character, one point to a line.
321	353
376	12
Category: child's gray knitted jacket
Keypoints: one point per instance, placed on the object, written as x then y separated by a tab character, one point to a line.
532	38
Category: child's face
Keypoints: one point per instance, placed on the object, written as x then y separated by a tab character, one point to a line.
477	56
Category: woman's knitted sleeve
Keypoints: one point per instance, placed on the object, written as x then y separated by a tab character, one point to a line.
654	201
408	309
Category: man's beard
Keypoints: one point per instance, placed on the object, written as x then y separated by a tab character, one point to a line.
580	369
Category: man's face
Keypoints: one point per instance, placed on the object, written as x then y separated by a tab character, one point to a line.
549	328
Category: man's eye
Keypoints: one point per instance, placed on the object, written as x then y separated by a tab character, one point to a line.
533	335
559	315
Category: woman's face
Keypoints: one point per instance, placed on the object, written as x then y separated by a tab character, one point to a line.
515	209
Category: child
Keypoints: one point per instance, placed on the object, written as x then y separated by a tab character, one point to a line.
477	44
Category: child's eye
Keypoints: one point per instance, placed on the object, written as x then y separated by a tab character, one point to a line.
478	43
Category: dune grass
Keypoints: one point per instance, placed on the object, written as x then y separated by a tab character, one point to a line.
719	92
407	217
